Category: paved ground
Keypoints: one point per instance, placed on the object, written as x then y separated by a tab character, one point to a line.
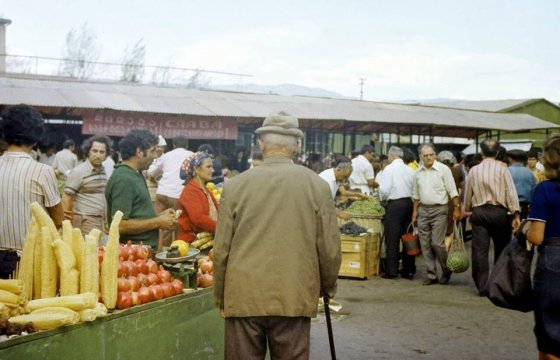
401	319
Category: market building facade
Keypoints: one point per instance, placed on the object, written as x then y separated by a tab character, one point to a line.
227	120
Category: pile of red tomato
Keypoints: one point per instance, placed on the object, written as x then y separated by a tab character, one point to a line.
140	280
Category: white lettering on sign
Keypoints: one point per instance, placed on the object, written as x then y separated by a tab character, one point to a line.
116	123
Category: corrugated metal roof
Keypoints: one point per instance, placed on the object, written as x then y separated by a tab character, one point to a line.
483	105
369	116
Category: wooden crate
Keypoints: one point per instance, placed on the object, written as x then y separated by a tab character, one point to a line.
373	222
360	256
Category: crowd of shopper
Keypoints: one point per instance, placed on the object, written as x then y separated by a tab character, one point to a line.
271	205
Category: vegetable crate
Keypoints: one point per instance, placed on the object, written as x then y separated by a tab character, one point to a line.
372	222
360	255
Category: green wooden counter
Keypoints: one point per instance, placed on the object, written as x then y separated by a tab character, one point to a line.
186	326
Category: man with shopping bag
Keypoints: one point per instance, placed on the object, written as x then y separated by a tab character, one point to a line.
433	187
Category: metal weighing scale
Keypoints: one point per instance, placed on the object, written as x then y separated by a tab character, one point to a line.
183	268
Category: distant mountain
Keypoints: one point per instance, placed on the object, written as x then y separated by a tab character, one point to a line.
282	89
427	101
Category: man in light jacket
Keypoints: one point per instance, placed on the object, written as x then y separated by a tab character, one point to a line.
277	249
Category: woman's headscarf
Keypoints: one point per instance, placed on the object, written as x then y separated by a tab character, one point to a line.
193	162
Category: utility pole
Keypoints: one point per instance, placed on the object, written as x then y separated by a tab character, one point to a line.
361	89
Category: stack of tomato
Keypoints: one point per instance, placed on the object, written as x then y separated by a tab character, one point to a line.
205	277
140	280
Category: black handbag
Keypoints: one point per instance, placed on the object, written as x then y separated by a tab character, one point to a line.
509	285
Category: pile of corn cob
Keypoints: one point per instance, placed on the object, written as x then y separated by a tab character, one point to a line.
62	274
13	300
204	240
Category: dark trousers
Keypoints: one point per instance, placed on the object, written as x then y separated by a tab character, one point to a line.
524	212
398	216
8	262
488	222
246	338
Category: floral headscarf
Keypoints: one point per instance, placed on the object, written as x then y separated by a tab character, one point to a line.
192	162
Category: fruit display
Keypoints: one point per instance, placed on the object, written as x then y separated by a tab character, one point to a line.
140	280
64	277
368	206
205	277
182	247
216	190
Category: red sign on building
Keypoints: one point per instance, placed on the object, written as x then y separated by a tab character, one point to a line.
118	123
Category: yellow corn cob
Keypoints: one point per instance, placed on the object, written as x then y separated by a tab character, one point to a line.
64	255
43	219
26	261
74	302
207	245
96	233
4	311
49	269
37	262
198	243
202	235
78	246
9	298
88	315
13	311
101	309
69	282
12	285
109	266
24	309
67	232
45	321
59	310
89	273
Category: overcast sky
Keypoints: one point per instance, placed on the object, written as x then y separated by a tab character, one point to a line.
424	49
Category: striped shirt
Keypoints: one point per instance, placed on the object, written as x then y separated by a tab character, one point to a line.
490	182
87	186
23	182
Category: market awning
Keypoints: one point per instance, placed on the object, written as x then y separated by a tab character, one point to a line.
72	98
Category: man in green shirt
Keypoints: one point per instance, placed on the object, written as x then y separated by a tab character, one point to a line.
127	191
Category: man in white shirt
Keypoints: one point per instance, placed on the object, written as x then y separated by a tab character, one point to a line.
336	177
170	186
65	160
363	176
433	187
395	185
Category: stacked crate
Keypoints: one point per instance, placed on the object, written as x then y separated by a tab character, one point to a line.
360	255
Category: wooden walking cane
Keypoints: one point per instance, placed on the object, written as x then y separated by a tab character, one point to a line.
329	326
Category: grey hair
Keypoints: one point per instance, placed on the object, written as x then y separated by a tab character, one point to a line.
421	147
395	151
278	141
447	158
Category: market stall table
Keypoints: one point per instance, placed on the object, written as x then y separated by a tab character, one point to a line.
186	326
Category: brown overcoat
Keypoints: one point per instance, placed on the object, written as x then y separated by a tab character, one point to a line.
277	244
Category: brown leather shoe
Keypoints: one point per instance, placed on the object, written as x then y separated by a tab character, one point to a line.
429	281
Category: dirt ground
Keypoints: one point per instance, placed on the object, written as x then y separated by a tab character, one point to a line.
401	319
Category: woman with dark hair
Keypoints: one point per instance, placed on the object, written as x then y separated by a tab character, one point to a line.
199	208
543	229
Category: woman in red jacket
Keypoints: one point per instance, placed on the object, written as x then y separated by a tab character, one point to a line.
198	205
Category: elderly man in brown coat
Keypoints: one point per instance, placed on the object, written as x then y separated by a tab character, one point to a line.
277	249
